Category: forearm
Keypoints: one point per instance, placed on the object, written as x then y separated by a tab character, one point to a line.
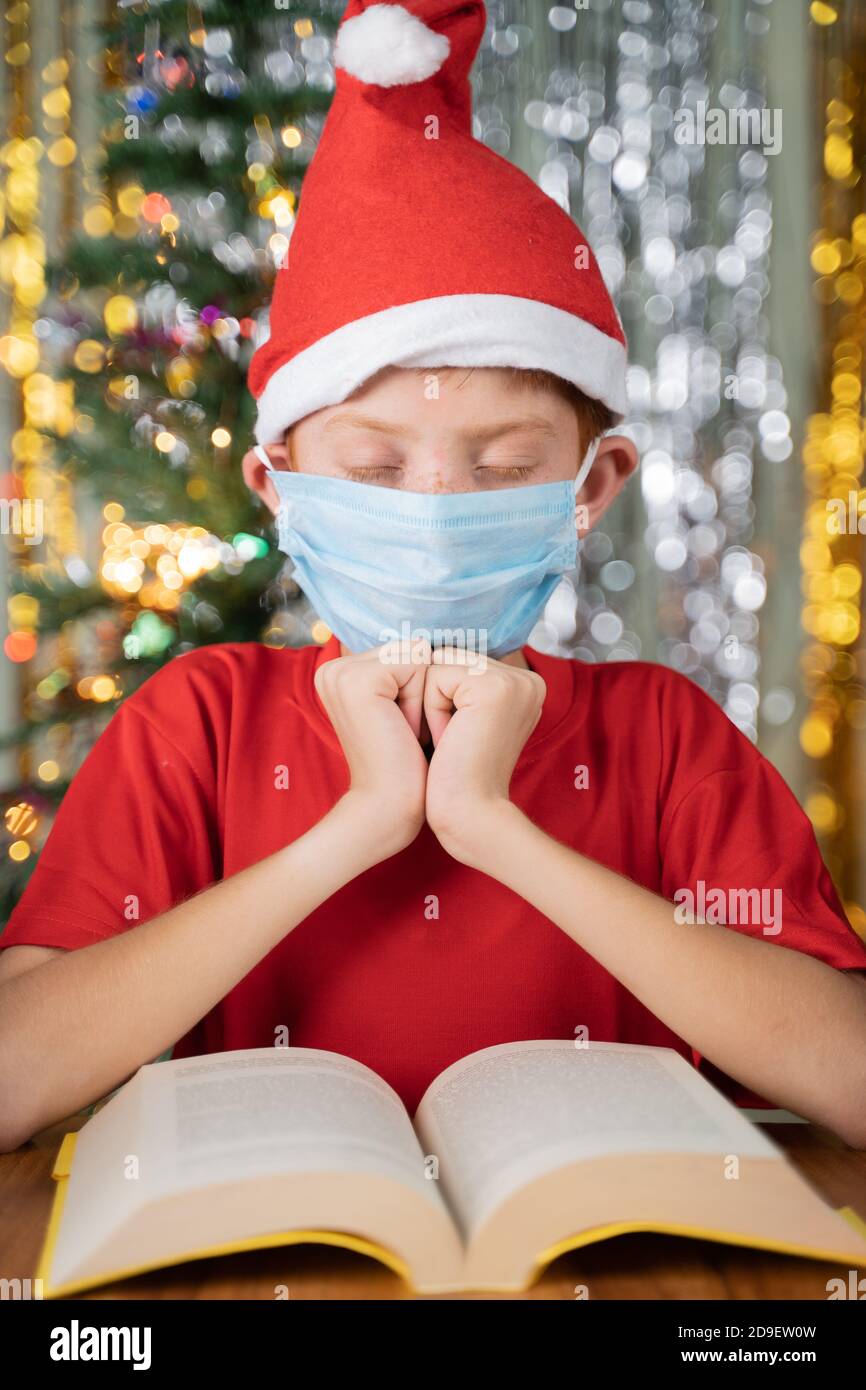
780	1022
79	1025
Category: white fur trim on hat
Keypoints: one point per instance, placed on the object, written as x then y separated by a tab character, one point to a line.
455	330
387	46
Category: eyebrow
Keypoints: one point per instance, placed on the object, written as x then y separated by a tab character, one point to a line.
368	422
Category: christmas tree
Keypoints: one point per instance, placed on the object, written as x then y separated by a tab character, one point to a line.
154	307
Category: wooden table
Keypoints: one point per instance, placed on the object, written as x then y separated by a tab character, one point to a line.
628	1267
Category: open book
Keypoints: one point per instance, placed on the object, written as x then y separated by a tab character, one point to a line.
515	1154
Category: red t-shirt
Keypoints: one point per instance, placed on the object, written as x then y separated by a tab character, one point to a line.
182	789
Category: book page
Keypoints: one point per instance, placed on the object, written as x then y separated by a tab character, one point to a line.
194	1122
283	1110
503	1116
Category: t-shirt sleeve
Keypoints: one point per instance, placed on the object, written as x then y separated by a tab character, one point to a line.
135	833
736	847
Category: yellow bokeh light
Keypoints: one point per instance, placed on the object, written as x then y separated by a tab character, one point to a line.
55	71
825	258
822	811
129	199
816	736
20	819
838	156
89	356
98	220
117	533
843	622
847	581
23	610
18	55
20	356
850	288
179	376
103	688
62	152
838	111
822	13
221	438
57	102
846	388
121	315
165	441
19	850
815	555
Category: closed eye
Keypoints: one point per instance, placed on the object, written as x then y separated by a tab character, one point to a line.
379	472
516	470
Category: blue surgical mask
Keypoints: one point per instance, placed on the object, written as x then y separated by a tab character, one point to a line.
465	569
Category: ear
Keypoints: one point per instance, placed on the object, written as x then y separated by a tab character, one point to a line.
256	475
614	463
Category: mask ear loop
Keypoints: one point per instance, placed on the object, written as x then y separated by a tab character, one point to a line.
259	450
582	475
586	465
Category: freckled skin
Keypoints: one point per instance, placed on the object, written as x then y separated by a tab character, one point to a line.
435	445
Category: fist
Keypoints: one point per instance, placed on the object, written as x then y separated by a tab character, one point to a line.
480	713
374	700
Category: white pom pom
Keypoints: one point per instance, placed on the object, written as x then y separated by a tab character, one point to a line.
389	47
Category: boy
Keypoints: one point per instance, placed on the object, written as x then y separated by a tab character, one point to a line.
406	851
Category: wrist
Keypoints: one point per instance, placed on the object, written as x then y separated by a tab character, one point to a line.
485	835
369	831
350	838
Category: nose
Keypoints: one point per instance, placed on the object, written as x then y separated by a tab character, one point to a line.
438	470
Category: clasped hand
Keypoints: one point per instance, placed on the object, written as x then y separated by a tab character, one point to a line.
478	713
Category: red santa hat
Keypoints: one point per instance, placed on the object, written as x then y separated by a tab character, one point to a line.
417	246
